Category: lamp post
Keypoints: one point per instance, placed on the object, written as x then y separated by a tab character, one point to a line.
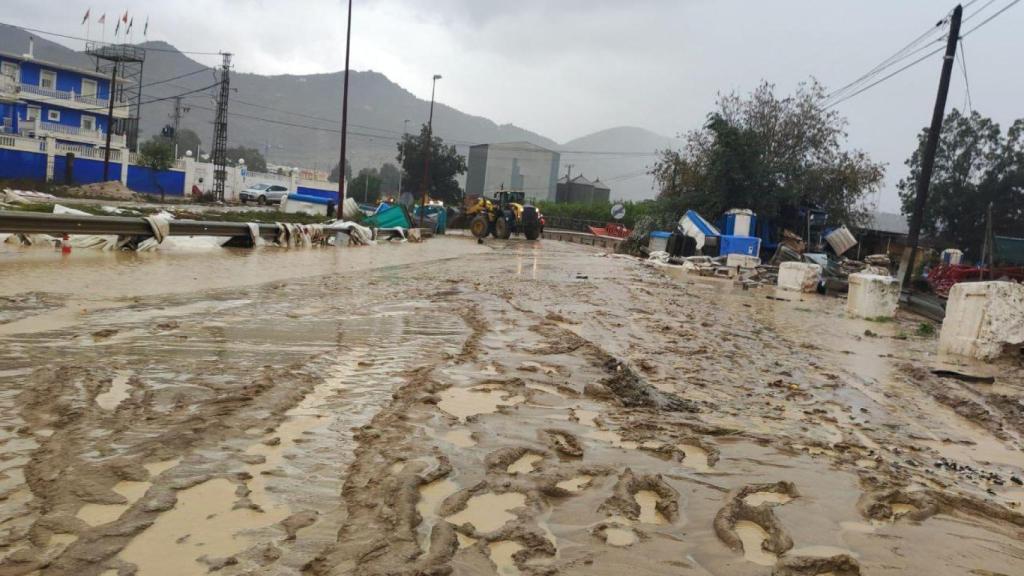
344	117
426	157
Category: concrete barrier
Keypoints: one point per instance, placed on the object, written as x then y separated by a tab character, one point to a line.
983	320
873	296
799	276
605	242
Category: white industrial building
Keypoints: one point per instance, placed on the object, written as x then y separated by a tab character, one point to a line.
519	166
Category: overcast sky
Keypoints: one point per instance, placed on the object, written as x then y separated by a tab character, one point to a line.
566	68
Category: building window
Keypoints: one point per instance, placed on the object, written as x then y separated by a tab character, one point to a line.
53	115
88	88
31	113
10	70
88	123
48	79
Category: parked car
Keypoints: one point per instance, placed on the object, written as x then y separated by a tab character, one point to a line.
264	193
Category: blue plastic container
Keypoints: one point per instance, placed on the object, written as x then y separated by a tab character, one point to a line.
746	245
659	241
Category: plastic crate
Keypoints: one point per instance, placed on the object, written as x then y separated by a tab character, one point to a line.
746	245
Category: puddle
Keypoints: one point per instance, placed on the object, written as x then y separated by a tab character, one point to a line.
431	496
488	512
530	366
820	551
758	498
546	388
461	437
202	523
619	536
99	514
696	458
464	541
752	536
648	501
866	463
62	539
525	464
612	438
465	402
157	468
118	392
902	509
858	527
586	417
501	553
575	484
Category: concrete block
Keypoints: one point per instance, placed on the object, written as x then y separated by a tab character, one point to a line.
983	320
742	260
799	276
873	296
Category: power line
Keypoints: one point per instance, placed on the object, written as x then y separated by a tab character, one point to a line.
884	78
990	18
967	83
167	80
862	84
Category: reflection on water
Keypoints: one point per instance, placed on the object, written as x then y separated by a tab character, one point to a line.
113	274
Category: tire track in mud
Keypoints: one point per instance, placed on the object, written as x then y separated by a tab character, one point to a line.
164	416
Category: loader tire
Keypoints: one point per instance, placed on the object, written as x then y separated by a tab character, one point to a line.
479	226
502	229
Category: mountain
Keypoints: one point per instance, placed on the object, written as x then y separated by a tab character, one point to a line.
295	119
620	157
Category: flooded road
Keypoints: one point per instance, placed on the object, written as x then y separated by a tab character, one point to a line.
513	408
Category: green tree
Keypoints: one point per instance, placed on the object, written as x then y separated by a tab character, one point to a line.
772	155
254	159
975	166
188	140
157	155
390	175
445	164
333	177
366	186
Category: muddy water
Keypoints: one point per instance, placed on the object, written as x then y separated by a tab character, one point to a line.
772	498
488	512
525	464
648	501
753	536
431	496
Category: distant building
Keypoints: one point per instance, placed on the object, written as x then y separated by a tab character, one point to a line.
580	190
41	99
519	166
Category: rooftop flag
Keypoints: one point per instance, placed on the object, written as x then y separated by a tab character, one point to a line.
145	29
125	17
103	19
86	17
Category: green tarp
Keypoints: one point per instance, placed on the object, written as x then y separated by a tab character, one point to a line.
394	217
1008	251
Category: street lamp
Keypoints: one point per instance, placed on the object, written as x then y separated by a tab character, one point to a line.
426	158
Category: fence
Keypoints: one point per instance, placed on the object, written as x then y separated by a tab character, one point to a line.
576	224
46	159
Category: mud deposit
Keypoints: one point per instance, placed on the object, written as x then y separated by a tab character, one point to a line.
516	408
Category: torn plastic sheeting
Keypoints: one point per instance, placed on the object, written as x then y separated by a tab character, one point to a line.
359	234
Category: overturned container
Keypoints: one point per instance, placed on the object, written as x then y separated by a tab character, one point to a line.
983	320
873	296
799	276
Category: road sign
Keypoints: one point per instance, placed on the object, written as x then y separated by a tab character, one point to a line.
618	211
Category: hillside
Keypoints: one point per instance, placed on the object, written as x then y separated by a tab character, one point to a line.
295	119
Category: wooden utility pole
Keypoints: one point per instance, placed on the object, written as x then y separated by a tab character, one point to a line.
932	144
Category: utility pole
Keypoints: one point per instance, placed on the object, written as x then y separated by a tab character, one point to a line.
110	127
426	156
928	158
344	117
179	110
568	182
220	130
401	167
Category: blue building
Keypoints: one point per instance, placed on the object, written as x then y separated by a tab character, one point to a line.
42	99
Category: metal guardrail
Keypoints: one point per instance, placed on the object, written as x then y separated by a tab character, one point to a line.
577	224
39	223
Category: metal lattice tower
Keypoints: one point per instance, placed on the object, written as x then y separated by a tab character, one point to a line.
220	130
129	60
